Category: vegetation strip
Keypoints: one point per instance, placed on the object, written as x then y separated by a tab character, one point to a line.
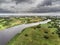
7	22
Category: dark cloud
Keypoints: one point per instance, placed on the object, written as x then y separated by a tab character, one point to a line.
47	2
23	1
43	9
1	1
46	10
55	0
5	11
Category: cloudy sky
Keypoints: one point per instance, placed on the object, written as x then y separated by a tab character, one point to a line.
29	6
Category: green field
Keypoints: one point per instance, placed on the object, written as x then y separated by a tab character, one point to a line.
43	34
7	22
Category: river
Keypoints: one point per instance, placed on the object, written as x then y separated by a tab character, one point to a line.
7	34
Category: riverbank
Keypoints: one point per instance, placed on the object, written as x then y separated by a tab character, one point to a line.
7	22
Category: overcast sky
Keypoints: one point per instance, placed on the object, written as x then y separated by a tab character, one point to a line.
29	6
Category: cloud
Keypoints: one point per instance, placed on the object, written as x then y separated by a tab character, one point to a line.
23	1
37	6
25	6
5	11
52	6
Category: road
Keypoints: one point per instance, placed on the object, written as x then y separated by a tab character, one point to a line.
7	34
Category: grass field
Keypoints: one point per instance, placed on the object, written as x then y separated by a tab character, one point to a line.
37	35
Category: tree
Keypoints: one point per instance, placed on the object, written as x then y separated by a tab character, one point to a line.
39	26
